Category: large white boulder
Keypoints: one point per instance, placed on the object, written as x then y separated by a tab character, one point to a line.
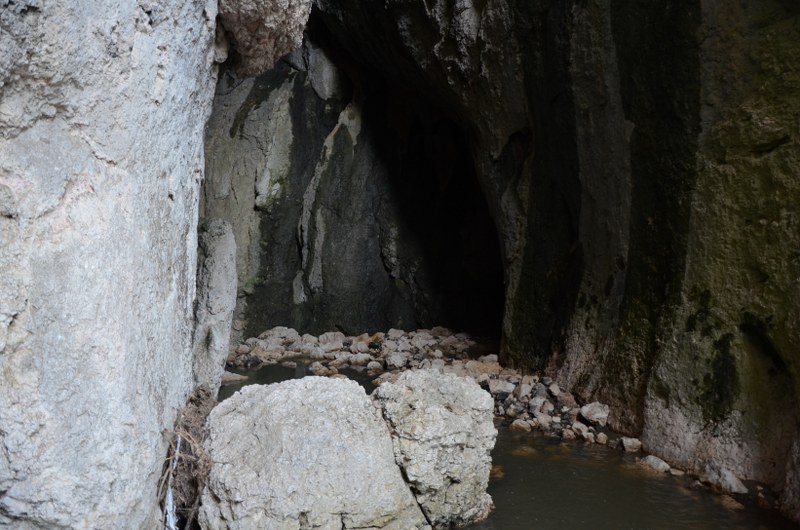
443	434
307	453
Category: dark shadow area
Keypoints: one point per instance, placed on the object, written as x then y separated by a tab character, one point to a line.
441	210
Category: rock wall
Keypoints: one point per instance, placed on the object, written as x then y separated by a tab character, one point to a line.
102	110
639	165
352	206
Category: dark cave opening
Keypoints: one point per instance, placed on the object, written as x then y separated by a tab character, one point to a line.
376	219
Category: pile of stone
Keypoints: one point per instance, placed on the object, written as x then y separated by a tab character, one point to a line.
527	402
393	350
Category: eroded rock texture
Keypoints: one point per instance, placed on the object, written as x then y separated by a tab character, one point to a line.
262	30
443	435
352	203
102	111
307	453
639	164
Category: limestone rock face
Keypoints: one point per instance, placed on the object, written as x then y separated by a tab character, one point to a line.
646	215
216	300
329	190
443	434
307	453
263	30
102	109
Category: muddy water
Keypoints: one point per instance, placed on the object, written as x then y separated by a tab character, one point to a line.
543	483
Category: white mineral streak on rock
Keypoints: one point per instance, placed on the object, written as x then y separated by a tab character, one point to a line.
350	119
278	139
307	453
443	435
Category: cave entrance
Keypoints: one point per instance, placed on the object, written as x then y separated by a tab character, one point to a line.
354	202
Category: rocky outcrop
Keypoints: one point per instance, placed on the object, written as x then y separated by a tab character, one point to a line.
351	206
643	184
261	31
443	434
215	301
308	453
102	110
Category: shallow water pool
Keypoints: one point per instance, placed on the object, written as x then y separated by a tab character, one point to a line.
543	483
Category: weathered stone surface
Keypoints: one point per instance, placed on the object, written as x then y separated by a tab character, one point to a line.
443	435
631	445
102	109
654	463
596	413
262	31
311	452
216	301
723	478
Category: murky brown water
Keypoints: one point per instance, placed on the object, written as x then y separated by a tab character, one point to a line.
546	484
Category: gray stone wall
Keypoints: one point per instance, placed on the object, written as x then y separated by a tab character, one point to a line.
102	110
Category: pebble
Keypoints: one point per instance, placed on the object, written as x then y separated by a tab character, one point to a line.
654	463
520	426
595	413
631	445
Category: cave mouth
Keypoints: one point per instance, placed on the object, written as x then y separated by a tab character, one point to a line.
354	202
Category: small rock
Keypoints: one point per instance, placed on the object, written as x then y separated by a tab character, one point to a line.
723	479
437	354
230	378
544	419
440	332
374	366
360	359
580	429
309	339
566	399
596	413
602	438
332	341
289	364
554	389
479	367
568	434
589	437
498	386
675	472
654	463
523	390
488	358
631	445
395	333
396	360
520	426
540	390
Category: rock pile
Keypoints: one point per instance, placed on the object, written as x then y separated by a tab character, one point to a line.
524	402
527	402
